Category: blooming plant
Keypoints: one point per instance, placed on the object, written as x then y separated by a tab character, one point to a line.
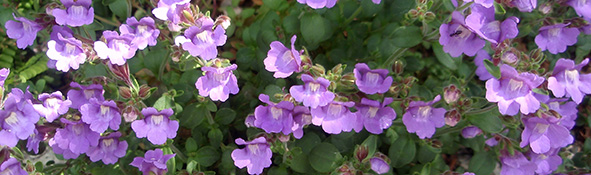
295	87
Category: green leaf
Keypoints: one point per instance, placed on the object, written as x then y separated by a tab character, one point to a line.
407	36
225	116
308	142
371	142
300	163
274	4
315	29
324	157
191	145
444	58
481	163
499	9
193	115
425	154
119	8
402	151
97	70
207	156
164	102
487	121
171	163
492	69
211	106
191	166
215	136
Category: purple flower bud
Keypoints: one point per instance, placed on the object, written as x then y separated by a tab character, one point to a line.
153	162
451	94
77	13
217	83
53	105
513	91
282	60
379	165
117	48
145	31
423	119
336	117
12	167
76	137
371	81
274	118
471	132
256	156
516	164
313	93
525	5
566	80
101	115
24	31
456	38
84	94
556	38
375	116
316	4
66	50
109	149
452	117
203	40
156	126
376	1
17	119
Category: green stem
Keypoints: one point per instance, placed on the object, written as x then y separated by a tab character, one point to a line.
480	111
461	8
178	152
107	21
397	53
352	17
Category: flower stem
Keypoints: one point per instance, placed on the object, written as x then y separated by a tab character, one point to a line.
178	152
352	17
116	24
397	53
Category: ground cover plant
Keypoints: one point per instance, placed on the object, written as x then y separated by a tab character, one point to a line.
295	87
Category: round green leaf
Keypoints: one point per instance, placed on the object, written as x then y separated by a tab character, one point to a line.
402	151
407	36
324	157
207	156
225	116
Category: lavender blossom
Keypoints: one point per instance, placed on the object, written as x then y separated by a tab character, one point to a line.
101	115
456	38
65	50
53	105
154	162
66	153
75	137
376	116
77	13
556	38
481	71
34	140
313	93
24	31
256	156
379	166
274	118
172	12
282	60
513	91
376	1
316	4
371	81
217	83
546	162
421	118
336	117
17	119
543	134
117	48
516	164
109	149
145	31
156	126
567	110
471	132
203	40
582	8
566	80
301	118
4	72
12	167
525	5
482	22
84	94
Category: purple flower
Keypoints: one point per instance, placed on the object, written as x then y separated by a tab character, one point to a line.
203	40
545	133
66	153
109	149
471	132
513	91
582	8
525	5
516	164
53	105
468	173
76	137
379	165
66	50
274	118
157	126
376	116
371	81
482	22
492	141
481	71
101	115
153	163
249	121
376	1
117	48
484	3
12	167
256	156
301	118
313	93
556	37
4	72
568	110
283	61
17	120
422	118
546	162
145	31
34	140
172	11
77	13
456	38
336	117
566	77
217	83
84	94
316	4
24	31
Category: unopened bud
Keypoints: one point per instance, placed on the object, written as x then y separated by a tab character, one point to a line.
413	13
408	81
125	92
176	55
452	118
306	60
451	94
361	152
29	167
429	16
398	67
348	80
545	8
509	57
130	113
536	54
121	72
284	138
223	21
189	16
145	91
318	70
338	69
